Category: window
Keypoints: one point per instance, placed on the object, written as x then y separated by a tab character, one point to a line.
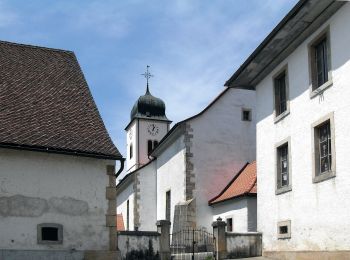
127	215
284	229
130	151
283	172
229	223
167	205
49	233
319	56
246	115
155	144
324	161
280	87
149	146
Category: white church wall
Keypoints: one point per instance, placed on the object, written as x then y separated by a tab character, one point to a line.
144	136
170	176
222	144
319	212
123	196
131	139
148	197
40	188
237	209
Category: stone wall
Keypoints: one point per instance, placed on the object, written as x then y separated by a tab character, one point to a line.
139	245
243	244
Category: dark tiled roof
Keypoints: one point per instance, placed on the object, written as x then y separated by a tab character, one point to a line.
46	104
244	183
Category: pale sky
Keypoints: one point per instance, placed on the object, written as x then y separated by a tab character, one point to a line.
192	46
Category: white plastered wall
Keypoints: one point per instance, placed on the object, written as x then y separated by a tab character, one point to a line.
222	145
123	196
319	213
40	187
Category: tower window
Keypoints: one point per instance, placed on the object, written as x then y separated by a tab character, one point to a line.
130	151
127	215
149	146
155	144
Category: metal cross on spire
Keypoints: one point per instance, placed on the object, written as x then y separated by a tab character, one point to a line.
147	75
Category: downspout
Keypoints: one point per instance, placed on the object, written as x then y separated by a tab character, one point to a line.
122	161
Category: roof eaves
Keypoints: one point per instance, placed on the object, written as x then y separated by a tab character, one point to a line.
60	151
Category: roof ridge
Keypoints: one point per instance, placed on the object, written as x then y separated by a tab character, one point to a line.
36	46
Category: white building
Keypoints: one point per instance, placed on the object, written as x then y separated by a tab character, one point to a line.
57	161
190	165
236	203
301	76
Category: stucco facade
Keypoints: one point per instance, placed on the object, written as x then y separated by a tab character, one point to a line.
38	188
318	212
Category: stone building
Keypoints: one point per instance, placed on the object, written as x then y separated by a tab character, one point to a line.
189	165
57	161
301	76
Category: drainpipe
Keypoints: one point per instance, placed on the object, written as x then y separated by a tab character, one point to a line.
122	161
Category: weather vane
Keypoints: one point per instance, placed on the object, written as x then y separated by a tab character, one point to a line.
147	75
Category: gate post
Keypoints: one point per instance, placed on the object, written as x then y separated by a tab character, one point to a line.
163	227
219	231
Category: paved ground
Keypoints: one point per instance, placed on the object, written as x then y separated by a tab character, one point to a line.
253	258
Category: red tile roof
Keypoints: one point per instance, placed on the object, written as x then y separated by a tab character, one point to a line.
46	104
244	183
119	222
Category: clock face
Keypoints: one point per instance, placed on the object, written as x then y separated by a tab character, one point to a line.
130	135
153	129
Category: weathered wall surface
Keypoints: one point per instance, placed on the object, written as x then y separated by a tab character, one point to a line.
319	212
138	243
171	176
222	143
243	245
40	188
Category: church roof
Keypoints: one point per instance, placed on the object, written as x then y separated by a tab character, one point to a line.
46	104
149	106
243	184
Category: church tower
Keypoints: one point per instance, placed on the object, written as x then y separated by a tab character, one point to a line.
148	125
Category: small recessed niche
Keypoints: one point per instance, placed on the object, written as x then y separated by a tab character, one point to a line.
284	229
246	115
50	233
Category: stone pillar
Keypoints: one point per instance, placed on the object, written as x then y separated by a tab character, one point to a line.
163	227
219	231
111	195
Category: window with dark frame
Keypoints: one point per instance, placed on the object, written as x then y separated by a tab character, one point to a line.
280	93
324	152
168	205
229	224
283	230
321	62
282	166
246	116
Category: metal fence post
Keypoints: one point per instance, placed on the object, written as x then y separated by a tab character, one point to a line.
163	227
219	231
